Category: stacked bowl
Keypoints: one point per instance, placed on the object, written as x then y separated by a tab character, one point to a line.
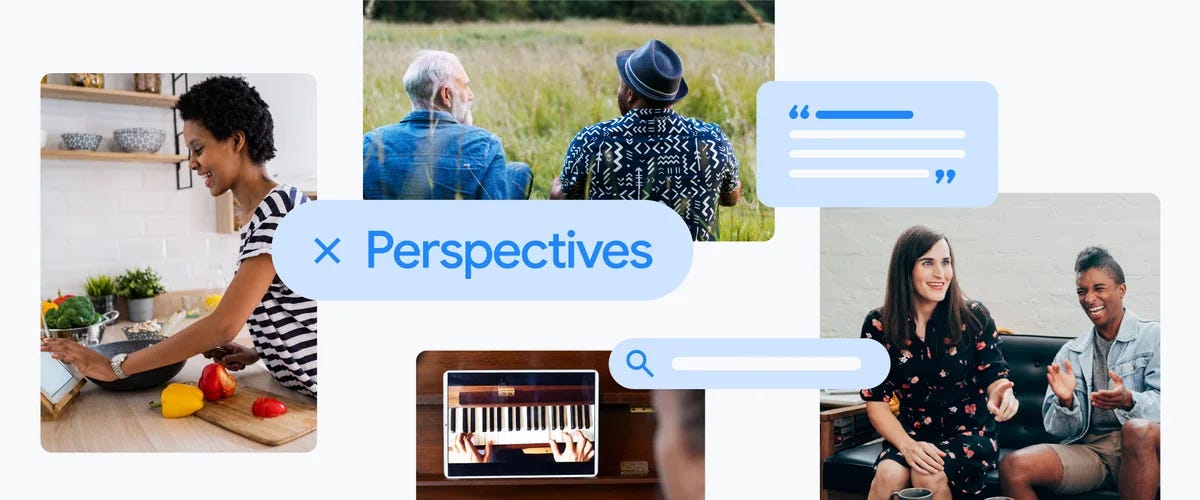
139	139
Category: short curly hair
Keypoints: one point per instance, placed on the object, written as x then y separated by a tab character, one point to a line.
1098	257
225	104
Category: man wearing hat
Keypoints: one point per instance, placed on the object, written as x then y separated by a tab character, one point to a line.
651	152
435	153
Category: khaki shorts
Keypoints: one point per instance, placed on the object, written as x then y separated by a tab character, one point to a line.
1090	463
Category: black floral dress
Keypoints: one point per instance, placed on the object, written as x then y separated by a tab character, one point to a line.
942	388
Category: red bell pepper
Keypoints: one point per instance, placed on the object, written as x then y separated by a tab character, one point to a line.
216	383
61	298
265	407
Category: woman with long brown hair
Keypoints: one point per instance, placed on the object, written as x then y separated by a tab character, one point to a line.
946	370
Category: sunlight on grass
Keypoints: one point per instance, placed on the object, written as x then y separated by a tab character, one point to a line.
537	84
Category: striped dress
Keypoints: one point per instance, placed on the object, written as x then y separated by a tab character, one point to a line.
284	324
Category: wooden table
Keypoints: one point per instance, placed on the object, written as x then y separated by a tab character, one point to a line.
98	420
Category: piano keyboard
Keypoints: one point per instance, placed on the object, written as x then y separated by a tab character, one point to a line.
514	425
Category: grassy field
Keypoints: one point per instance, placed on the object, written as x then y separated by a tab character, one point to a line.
537	84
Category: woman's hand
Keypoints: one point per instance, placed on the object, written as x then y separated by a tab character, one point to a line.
924	457
89	362
233	356
462	450
578	449
1062	382
1001	401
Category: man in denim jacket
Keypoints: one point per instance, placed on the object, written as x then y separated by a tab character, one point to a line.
1102	399
434	153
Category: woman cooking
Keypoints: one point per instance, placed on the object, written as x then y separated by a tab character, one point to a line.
228	131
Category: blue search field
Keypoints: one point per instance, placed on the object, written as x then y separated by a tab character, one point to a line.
877	144
748	363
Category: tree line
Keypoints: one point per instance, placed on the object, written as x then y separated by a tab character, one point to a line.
686	12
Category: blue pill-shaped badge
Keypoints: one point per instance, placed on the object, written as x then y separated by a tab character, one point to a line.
495	250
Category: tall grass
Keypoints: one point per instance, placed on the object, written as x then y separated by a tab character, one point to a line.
537	84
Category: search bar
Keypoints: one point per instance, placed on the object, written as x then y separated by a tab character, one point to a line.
748	363
765	363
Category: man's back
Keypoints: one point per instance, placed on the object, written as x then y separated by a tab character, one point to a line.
430	156
654	154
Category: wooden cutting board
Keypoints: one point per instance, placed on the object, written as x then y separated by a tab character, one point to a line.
233	414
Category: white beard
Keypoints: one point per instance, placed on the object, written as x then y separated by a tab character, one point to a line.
461	110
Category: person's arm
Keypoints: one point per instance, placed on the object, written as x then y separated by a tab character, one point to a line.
1146	402
920	455
245	291
220	327
991	367
492	184
1063	417
569	184
731	183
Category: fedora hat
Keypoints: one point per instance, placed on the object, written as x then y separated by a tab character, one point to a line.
654	72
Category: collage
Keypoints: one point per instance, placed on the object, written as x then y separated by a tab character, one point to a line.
600	249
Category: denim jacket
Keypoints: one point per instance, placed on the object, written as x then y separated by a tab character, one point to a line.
431	156
1134	357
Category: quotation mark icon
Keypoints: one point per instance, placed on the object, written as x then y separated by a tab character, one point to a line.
803	114
948	174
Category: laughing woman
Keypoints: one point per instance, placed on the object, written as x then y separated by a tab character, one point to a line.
230	136
946	369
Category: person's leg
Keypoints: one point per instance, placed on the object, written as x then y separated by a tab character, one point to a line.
1027	468
520	180
1139	474
935	483
890	477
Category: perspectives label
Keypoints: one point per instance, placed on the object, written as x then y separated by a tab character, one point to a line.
471	250
877	144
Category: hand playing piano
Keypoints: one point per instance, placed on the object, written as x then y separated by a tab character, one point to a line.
578	449
463	451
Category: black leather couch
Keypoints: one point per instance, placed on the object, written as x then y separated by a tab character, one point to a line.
850	471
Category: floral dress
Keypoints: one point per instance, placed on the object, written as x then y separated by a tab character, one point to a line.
942	388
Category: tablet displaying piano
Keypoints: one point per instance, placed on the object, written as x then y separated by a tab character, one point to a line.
520	423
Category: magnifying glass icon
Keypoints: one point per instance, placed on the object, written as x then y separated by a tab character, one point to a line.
640	365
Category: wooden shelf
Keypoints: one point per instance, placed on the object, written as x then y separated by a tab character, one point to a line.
64	154
54	91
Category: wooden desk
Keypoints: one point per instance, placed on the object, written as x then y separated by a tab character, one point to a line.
98	420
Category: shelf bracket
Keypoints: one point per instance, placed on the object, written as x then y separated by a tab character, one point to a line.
181	166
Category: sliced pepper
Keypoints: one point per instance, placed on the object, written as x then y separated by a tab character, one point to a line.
216	382
180	400
267	407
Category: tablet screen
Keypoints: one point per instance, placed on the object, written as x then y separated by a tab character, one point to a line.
57	380
529	417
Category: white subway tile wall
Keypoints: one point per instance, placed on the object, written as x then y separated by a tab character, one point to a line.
105	217
1016	256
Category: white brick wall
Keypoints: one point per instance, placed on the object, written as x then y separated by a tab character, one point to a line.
1016	256
104	217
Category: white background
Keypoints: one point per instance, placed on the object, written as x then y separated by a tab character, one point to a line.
1094	97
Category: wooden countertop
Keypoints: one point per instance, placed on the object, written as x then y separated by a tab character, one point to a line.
98	420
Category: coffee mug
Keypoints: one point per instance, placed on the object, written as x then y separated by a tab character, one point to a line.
912	494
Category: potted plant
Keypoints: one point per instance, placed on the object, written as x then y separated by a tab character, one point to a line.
100	289
139	287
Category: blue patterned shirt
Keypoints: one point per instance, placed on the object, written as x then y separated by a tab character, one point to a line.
654	154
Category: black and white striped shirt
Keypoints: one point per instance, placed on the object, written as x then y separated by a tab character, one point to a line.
284	324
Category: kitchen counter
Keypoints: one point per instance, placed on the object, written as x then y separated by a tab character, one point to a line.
98	420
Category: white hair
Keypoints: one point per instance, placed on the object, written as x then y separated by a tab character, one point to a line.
428	73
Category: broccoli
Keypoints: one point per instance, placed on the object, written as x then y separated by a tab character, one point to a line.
75	312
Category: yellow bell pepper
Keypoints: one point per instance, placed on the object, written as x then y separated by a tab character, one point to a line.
46	306
180	400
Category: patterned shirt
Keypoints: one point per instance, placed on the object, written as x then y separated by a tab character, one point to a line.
654	154
283	325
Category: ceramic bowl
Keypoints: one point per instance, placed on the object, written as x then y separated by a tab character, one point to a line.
139	139
81	141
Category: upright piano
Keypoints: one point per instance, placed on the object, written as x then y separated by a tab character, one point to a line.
624	417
